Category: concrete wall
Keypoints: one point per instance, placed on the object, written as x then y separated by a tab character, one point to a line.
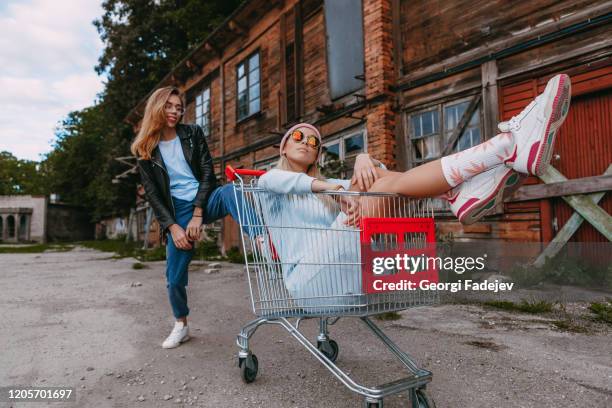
10	204
68	223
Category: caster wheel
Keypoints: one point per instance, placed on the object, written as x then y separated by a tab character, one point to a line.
424	400
248	368
329	348
378	404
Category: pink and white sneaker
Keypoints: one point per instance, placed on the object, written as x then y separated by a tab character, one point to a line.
534	129
479	195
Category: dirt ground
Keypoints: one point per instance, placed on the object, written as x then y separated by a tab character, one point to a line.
78	319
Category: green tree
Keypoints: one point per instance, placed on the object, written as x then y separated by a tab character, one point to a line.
143	41
20	176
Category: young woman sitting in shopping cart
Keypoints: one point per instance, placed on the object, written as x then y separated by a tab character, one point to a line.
473	181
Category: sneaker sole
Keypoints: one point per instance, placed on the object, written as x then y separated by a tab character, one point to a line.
541	152
474	209
184	339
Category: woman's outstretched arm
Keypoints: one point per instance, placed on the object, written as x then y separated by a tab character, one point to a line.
288	182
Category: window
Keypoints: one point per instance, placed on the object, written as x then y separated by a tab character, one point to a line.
247	76
428	138
425	135
267	165
452	116
338	156
10	223
203	110
344	35
23	224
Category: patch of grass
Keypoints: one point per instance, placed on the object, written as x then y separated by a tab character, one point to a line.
388	316
138	265
234	255
534	307
570	325
564	270
123	249
207	250
37	248
602	310
151	255
204	250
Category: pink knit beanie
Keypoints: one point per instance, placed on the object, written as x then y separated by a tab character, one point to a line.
300	125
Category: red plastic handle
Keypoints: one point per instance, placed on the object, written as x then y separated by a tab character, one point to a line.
231	172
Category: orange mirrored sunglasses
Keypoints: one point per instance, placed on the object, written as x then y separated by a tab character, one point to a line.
311	140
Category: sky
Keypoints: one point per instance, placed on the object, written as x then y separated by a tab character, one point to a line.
48	50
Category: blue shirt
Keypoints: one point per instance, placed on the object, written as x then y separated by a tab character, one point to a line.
183	184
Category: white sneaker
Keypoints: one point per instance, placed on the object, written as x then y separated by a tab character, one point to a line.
534	129
179	334
479	195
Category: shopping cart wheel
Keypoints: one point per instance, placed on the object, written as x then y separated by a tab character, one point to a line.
248	368
329	348
424	400
378	404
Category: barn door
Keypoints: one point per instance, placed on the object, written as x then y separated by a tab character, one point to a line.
583	147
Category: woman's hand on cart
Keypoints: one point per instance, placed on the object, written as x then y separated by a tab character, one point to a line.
180	238
351	206
364	172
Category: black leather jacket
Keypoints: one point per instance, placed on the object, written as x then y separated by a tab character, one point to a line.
156	181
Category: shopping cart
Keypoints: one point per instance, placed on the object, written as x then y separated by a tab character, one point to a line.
331	276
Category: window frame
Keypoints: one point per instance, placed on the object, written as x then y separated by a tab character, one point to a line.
208	129
341	140
479	115
440	107
267	164
246	62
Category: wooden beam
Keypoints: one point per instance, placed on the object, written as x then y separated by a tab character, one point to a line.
564	188
595	215
490	102
299	59
283	70
467	115
570	227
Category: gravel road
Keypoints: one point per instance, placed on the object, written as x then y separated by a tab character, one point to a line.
83	319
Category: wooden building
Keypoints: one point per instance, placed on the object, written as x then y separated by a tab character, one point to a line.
400	79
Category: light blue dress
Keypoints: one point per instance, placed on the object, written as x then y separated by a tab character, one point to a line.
320	255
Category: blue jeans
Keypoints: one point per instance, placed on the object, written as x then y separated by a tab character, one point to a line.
221	202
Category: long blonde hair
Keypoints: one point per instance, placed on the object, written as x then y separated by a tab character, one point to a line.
153	121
